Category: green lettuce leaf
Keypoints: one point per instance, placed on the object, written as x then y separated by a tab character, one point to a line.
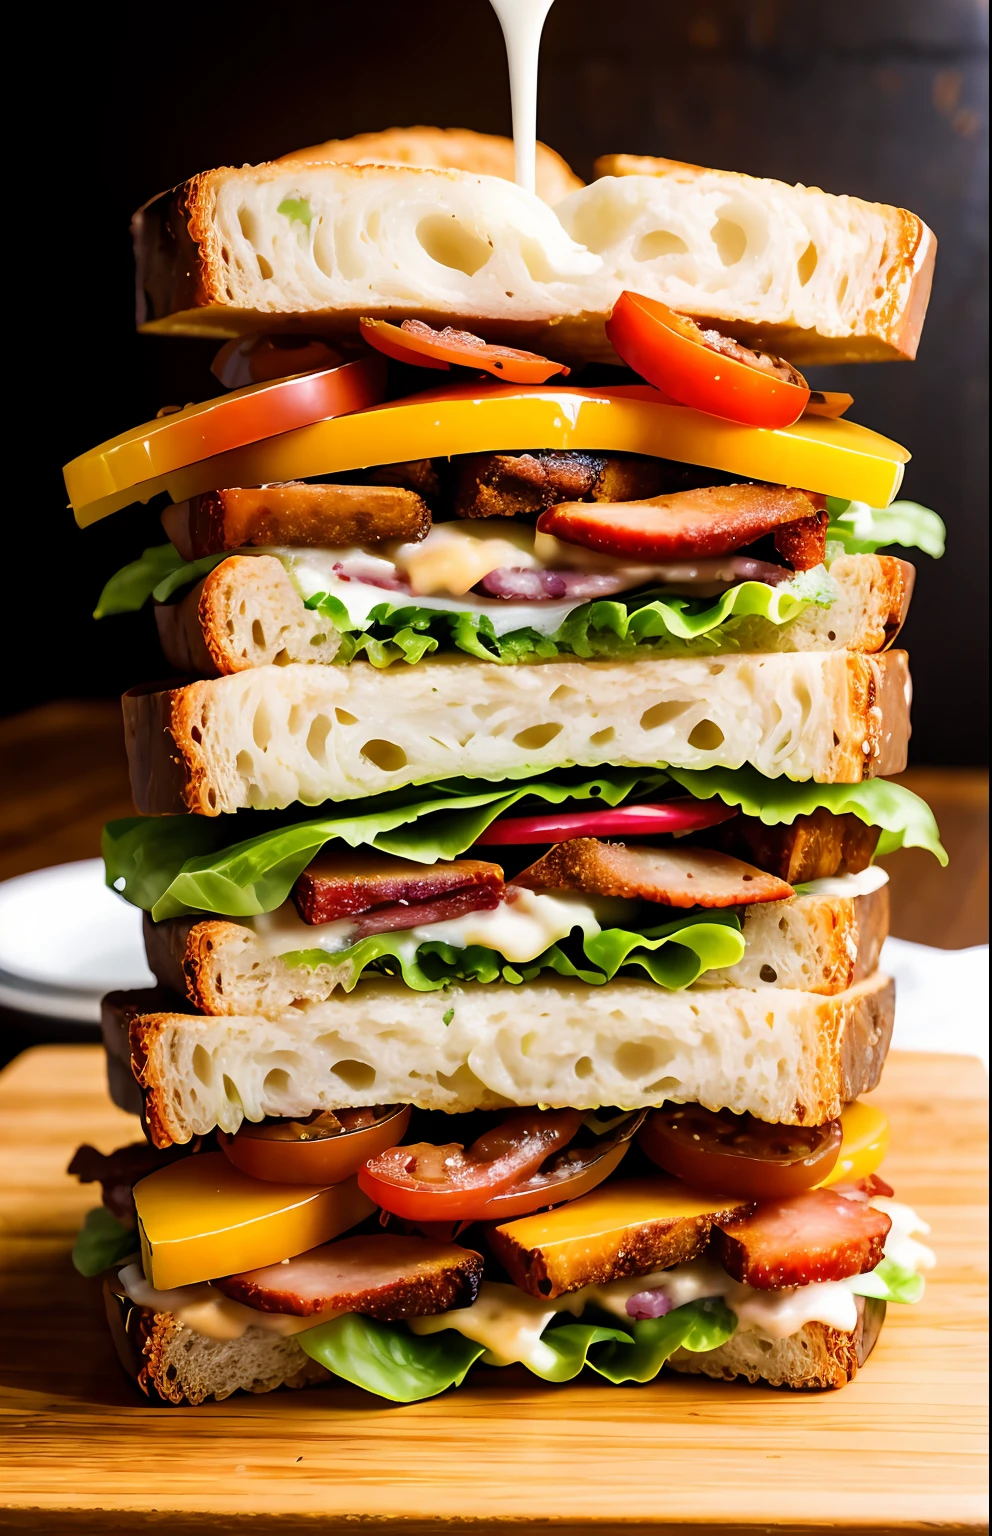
158	573
890	1282
389	1360
102	1241
605	629
697	1326
172	865
297	208
861	530
674	955
906	820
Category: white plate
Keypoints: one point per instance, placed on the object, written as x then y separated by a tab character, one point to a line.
65	939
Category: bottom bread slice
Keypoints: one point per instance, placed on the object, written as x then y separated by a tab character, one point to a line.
171	1363
787	1056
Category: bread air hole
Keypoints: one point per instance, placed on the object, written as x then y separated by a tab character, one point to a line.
730	240
261	727
536	736
343	717
584	1067
203	1067
320	729
357	1075
276	1083
602	738
806	265
258	634
536	261
769	975
451	245
385	755
635	1060
706	736
660	242
661	714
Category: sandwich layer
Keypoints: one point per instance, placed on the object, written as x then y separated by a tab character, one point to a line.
172	1363
249	613
811	943
274	735
817	277
786	1056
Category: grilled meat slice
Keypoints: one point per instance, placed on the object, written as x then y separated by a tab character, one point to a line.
348	884
295	514
680	876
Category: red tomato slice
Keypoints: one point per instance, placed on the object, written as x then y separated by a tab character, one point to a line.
180	438
718	1150
417	343
295	1152
423	1182
671	352
558	827
572	1173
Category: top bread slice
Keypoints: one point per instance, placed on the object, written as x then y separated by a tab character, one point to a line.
273	735
442	149
315	245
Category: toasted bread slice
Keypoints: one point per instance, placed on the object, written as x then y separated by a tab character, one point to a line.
295	514
442	149
814	1358
245	614
786	1056
821	944
248	613
270	736
173	1364
797	271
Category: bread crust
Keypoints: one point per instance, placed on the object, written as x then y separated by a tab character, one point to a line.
196	748
817	1357
444	149
246	613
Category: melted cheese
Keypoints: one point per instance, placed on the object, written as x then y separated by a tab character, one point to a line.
206	1311
519	930
861	884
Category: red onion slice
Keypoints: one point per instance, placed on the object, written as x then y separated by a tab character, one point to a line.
684	815
518	584
649	1304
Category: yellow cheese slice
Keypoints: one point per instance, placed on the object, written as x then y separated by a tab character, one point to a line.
617	1204
866	1141
202	1217
835	457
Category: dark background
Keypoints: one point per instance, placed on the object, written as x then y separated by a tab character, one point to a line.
884	99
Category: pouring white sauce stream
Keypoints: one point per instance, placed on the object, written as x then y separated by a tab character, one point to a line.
523	22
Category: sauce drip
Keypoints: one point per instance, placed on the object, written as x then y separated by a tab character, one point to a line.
523	22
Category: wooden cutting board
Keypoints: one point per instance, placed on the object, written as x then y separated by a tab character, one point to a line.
901	1449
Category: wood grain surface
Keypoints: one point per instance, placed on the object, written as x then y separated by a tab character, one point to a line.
900	1450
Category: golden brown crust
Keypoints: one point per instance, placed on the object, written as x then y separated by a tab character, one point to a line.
680	876
817	1357
297	514
525	484
446	149
634	1250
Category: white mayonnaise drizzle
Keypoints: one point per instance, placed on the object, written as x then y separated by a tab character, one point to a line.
862	884
207	1311
522	22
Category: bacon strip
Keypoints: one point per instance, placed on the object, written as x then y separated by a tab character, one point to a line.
347	884
812	848
380	1276
818	1235
710	521
295	514
803	543
681	876
510	485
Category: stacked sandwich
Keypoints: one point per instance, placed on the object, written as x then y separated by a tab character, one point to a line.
506	841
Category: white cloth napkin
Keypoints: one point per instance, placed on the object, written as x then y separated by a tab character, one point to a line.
942	998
